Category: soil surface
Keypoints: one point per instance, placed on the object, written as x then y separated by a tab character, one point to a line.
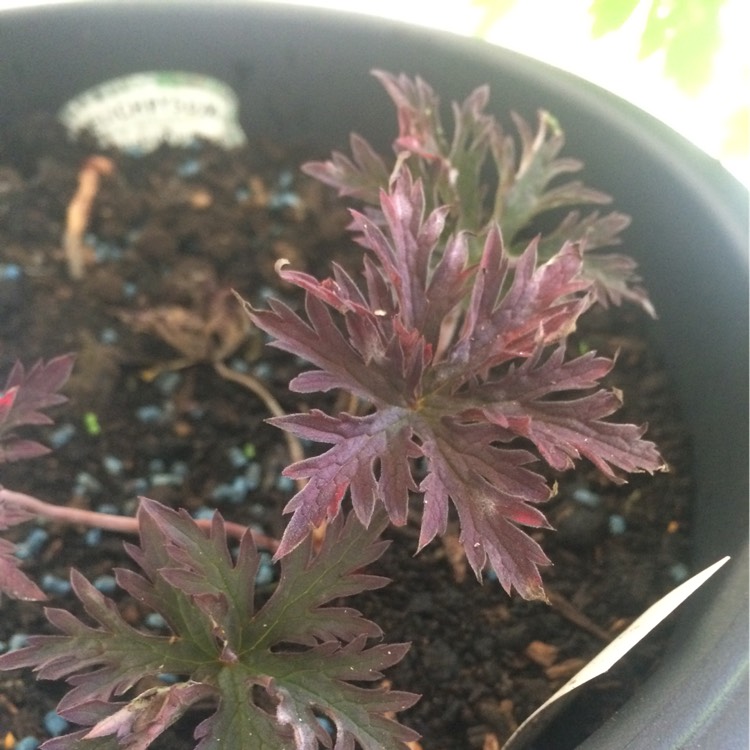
179	227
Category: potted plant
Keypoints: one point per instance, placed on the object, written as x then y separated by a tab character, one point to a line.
688	240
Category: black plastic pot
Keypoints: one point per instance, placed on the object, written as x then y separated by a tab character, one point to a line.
304	75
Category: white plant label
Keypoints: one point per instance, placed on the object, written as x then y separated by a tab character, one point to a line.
138	112
610	655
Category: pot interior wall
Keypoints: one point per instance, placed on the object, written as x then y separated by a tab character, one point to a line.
304	75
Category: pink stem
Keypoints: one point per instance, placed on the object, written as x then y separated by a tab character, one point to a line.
120	524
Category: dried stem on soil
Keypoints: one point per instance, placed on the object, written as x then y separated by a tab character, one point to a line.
79	211
569	612
253	384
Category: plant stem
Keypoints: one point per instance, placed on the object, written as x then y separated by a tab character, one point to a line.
293	444
253	384
110	522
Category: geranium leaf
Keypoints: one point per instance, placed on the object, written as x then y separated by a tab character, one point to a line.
493	491
308	586
482	176
361	177
23	399
454	381
13	581
298	651
37	389
359	442
615	279
565	430
137	724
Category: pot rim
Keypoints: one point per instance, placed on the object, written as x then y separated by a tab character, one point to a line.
674	709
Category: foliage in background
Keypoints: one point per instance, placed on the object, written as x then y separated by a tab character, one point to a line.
686	30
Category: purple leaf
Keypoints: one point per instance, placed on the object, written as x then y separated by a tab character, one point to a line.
37	389
452	362
485	177
418	111
137	724
20	450
22	400
13	581
565	430
493	491
361	177
11	513
6	403
358	443
540	306
299	650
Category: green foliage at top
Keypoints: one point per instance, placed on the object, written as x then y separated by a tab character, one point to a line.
687	31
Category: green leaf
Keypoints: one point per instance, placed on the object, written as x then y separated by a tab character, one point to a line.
197	576
320	679
268	674
295	613
609	15
114	656
690	54
524	191
688	31
493	10
250	727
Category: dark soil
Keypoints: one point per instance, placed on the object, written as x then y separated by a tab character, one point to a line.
171	225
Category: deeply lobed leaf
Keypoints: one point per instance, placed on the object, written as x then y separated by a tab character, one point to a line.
23	399
484	177
261	671
451	359
361	177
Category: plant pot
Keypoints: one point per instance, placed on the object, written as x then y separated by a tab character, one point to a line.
303	75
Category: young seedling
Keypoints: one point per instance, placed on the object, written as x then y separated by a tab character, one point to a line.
461	402
451	341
